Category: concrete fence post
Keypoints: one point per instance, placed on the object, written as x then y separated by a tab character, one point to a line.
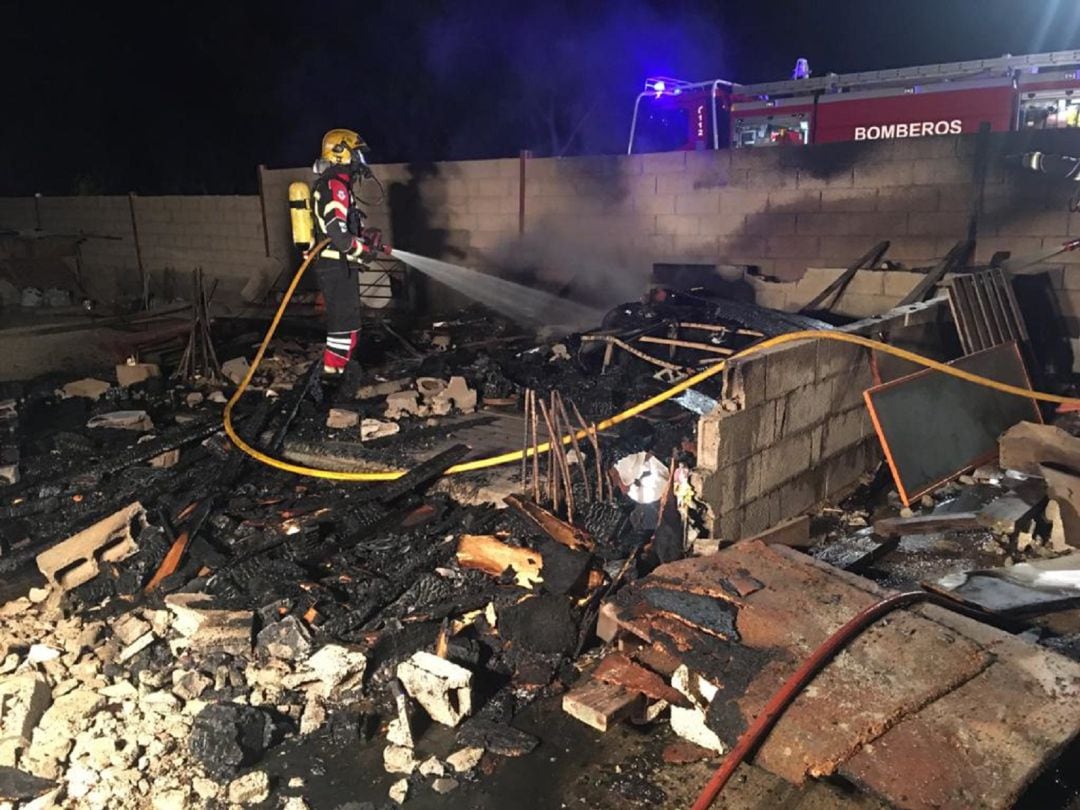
523	156
262	209
143	286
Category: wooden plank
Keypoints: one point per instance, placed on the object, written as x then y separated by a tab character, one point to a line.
558	530
686	344
600	704
953	259
794	533
840	283
492	556
927	524
619	670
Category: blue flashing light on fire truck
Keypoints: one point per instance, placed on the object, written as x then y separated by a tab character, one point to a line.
1038	91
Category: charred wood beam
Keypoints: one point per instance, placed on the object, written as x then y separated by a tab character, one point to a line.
558	530
290	406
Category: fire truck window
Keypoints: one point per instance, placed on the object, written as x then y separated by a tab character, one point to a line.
663	130
1050	113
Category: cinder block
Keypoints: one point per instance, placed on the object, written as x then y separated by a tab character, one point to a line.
794	200
837	179
744	249
845	468
797	496
744	201
836	359
840	251
734	436
641	185
755	517
783	461
675	183
678	224
24	697
77	560
726	525
441	687
725	225
769	224
850	395
734	485
855	305
792	247
897	284
654	246
787	270
1034	223
1070	277
941	170
886	173
770	178
789	367
744	381
664	162
698	202
844	200
844	430
941	223
700	246
490	205
1018	246
873	224
803	408
710	163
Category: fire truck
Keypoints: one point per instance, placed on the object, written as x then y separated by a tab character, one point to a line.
1039	91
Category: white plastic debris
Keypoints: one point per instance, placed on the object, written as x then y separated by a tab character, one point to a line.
122	420
644	476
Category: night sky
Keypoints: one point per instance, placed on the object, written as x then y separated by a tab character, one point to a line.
189	97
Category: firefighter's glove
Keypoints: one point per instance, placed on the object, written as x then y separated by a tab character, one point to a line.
372	239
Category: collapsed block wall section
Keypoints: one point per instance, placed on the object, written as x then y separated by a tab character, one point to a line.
793	429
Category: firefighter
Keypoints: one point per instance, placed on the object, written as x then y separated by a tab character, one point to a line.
1062	166
352	246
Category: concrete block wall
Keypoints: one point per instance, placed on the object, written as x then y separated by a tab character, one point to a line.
17	213
792	431
107	254
596	225
221	234
176	234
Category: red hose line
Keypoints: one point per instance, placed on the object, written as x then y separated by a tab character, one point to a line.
783	697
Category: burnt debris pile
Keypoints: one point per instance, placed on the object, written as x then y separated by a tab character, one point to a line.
177	614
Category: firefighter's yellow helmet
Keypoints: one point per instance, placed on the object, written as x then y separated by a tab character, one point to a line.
341	146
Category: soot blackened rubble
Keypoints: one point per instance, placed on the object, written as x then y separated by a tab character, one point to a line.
189	609
183	618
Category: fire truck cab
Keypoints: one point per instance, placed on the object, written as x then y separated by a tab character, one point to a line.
1004	94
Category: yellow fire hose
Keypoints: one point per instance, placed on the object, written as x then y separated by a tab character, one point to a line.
629	413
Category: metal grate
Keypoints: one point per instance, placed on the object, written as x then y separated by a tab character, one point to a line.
984	310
